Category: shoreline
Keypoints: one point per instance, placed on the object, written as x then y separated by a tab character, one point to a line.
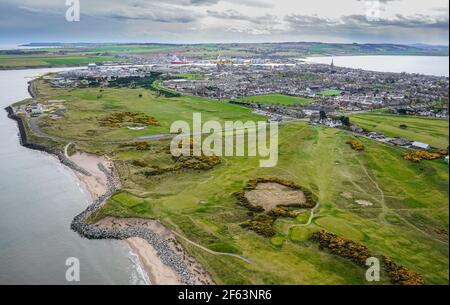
164	259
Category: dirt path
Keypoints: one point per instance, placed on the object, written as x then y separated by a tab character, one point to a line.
209	250
385	209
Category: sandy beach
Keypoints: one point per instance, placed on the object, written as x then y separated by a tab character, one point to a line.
95	184
158	272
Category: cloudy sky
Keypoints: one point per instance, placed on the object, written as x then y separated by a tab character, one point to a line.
195	21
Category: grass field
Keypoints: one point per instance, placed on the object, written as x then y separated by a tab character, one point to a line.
31	61
432	131
330	92
411	206
276	99
410	201
86	106
192	76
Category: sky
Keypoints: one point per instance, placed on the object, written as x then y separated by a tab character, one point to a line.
214	21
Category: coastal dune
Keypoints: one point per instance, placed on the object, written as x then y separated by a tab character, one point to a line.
97	183
164	258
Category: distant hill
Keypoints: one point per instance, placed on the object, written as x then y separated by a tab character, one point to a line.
284	49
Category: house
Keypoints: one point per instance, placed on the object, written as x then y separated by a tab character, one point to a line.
400	142
376	135
356	129
35	109
420	145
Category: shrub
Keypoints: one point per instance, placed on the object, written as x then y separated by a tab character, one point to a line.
139	163
341	246
261	224
419	155
181	163
117	118
401	275
356	145
282	212
138	145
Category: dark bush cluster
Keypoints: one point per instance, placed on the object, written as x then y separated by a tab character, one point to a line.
196	163
282	212
137	145
261	224
117	118
341	246
139	163
359	253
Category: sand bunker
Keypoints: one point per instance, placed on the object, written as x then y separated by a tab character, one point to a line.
364	203
270	195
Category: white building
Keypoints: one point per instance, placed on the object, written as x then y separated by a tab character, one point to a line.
420	145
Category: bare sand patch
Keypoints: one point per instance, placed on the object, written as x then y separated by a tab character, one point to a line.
364	203
269	195
347	195
96	183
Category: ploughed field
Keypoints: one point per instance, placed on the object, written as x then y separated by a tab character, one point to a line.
407	218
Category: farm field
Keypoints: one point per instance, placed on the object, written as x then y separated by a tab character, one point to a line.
34	61
409	201
432	131
131	48
276	99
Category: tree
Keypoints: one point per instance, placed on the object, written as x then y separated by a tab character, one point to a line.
345	120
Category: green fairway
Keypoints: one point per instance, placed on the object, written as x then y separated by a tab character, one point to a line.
86	106
409	201
432	131
280	99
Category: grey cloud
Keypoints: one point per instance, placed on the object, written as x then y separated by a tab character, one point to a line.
400	21
163	16
235	15
185	21
361	21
